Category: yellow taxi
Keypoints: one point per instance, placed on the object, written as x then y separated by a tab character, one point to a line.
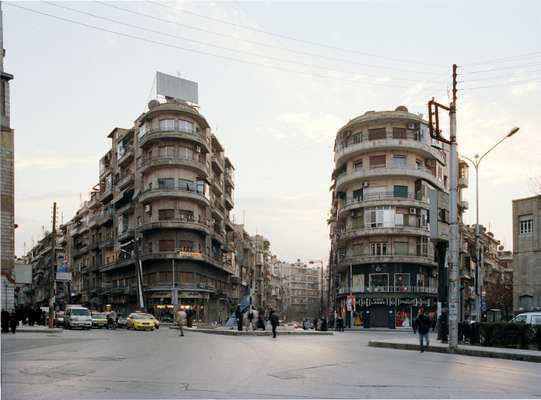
99	320
142	321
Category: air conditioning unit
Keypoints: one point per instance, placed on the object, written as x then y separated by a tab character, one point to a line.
148	208
365	184
413	211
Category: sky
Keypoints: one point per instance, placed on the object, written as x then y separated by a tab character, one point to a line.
276	100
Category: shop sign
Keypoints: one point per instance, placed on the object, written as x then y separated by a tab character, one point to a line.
194	295
189	254
63	276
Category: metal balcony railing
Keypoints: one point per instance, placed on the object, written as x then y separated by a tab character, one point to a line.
389	289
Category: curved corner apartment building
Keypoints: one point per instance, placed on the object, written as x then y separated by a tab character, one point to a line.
388	175
167	186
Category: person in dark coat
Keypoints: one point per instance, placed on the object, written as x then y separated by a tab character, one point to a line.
5	321
189	317
273	317
13	322
238	316
444	325
260	321
422	325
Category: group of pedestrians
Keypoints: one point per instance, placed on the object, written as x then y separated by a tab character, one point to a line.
255	319
9	321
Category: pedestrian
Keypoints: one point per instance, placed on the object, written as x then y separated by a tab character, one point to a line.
250	319
315	323
238	315
260	321
274	322
189	317
180	319
444	325
13	322
422	325
5	321
340	321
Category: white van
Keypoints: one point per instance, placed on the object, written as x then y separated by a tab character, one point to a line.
532	318
77	317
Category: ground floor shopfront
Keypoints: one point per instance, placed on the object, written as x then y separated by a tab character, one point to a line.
386	310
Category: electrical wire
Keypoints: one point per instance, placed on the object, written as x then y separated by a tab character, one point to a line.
228	48
514	83
141	14
537	64
496	77
152	41
507	59
281	36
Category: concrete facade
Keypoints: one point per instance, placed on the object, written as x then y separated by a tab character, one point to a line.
301	283
527	254
389	217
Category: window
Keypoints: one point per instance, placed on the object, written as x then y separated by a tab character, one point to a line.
142	130
357	249
358	195
186	277
358	164
377	161
402	282
166	183
149	247
379	282
378	249
185	153
186	184
378	133
167	151
185	245
167	124
357	221
525	224
166	277
422	246
164	215
399	161
186	215
399	133
166	245
419	164
401	248
200	187
400	191
185	126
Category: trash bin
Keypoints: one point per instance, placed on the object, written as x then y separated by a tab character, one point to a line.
366	319
391	319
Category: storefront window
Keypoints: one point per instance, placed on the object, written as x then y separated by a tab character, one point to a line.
379	282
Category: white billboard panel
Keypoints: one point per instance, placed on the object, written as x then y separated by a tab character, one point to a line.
23	273
177	88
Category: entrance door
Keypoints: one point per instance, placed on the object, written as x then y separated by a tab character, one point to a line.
378	316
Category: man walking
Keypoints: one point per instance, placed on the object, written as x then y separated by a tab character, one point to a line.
274	322
422	325
443	323
180	319
238	315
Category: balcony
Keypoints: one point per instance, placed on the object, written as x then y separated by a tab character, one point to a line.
107	242
218	163
104	216
362	174
107	194
176	192
217	185
229	203
183	255
126	156
176	133
126	234
403	230
177	223
126	181
409	140
79	251
344	263
388	198
427	290
175	161
229	177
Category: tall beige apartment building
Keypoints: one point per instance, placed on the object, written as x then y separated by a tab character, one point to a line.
389	217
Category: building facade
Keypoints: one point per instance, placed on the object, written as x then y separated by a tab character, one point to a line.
301	288
389	217
158	220
527	254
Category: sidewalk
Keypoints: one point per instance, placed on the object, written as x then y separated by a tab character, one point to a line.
359	329
412	343
36	329
268	332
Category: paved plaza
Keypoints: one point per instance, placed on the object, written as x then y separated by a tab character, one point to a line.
102	364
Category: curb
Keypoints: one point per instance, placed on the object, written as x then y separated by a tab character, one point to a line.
254	333
463	350
30	330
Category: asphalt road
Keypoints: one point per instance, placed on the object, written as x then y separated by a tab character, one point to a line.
101	364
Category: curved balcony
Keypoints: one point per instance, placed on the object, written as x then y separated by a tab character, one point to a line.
408	143
395	258
180	255
161	161
177	108
383	199
352	233
163	133
151	194
176	224
363	174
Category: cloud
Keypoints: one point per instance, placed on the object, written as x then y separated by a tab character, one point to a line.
519	90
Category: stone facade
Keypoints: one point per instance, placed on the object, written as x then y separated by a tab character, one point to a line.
389	177
527	254
301	286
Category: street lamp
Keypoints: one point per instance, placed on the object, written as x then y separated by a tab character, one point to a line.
476	164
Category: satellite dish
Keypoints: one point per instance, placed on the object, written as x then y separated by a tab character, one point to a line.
401	108
153	103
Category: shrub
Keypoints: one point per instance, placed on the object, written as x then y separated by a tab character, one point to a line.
502	334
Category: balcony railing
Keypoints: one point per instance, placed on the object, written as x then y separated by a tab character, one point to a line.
172	159
389	195
389	289
366	137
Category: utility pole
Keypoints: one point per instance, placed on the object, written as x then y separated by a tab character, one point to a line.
53	271
453	229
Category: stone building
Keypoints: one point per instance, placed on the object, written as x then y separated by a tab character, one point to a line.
527	254
301	285
389	216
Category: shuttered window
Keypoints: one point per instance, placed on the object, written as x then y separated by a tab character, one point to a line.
166	245
377	133
399	133
377	161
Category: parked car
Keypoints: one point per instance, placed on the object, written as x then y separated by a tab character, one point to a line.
122	321
99	320
59	318
141	321
77	317
532	318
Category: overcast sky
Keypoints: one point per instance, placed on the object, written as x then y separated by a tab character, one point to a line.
277	111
